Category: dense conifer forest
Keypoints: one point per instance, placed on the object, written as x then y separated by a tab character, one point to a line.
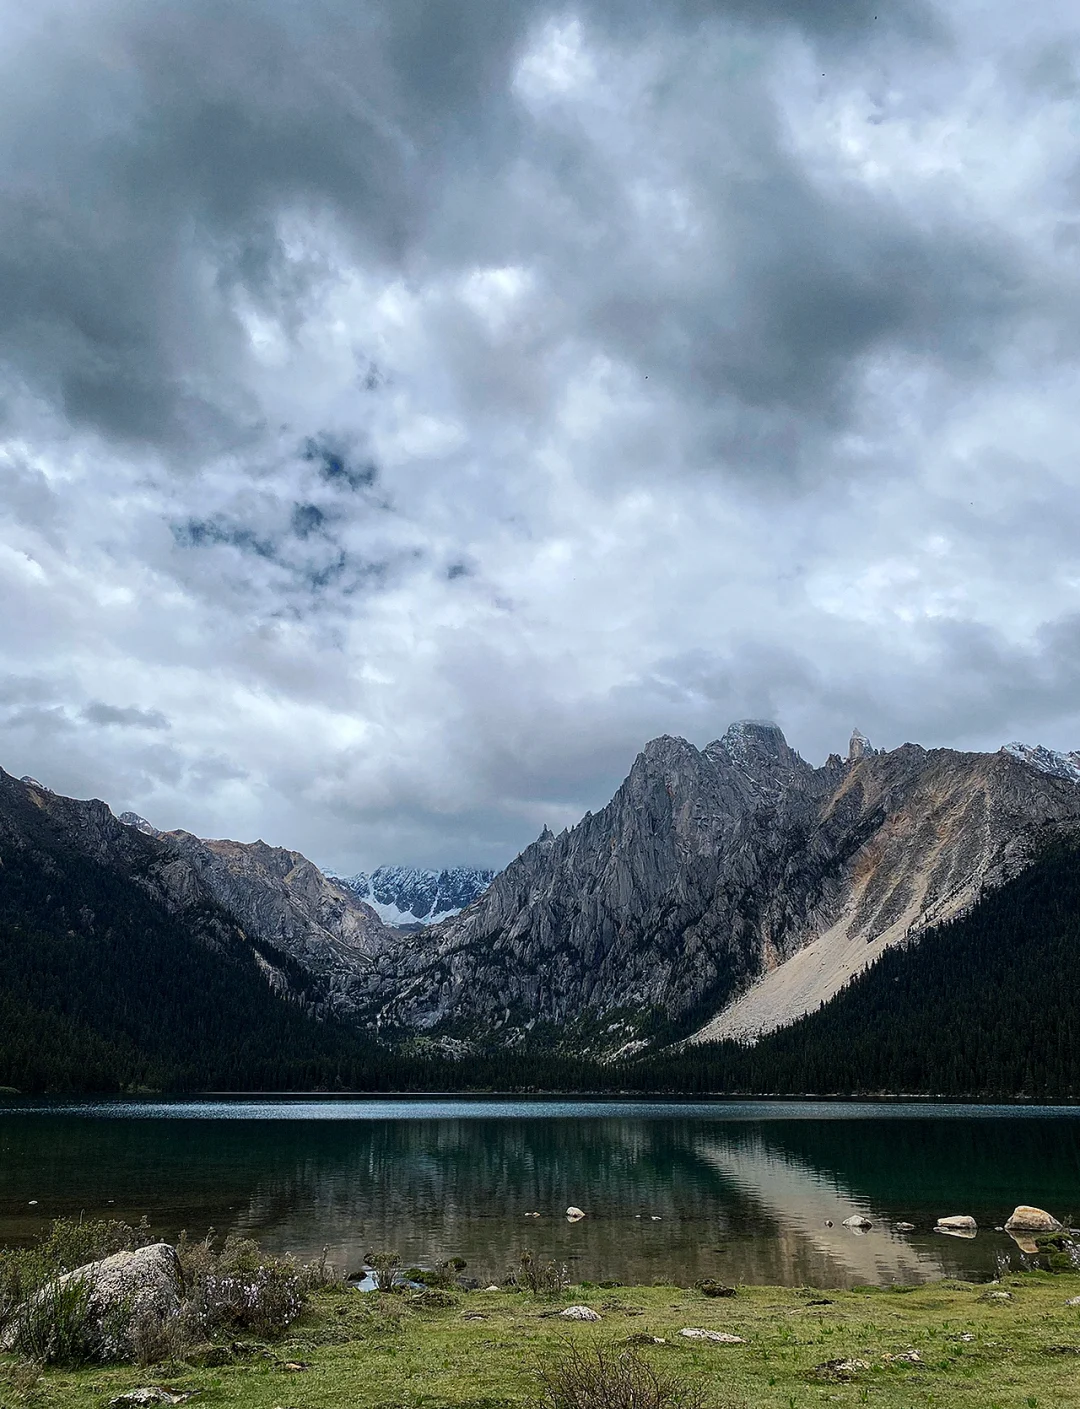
103	990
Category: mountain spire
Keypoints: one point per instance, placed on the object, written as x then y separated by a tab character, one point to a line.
859	747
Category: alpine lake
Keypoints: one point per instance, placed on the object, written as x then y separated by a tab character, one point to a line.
748	1192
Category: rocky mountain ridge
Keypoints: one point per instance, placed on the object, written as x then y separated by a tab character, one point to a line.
720	873
722	892
283	899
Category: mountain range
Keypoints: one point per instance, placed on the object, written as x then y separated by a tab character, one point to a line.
407	896
723	894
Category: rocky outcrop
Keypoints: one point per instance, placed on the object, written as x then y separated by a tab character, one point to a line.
282	899
734	883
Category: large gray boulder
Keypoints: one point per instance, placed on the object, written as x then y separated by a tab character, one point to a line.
147	1282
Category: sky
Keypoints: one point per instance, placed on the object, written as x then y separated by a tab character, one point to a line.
409	408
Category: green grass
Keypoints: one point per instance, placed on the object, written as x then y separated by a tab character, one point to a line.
481	1350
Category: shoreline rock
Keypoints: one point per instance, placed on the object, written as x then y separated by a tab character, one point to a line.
1027	1219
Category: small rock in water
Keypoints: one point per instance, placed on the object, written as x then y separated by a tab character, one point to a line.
1025	1219
32	1203
905	1227
858	1223
532	1215
828	1223
656	1218
579	1313
698	1333
957	1225
573	1213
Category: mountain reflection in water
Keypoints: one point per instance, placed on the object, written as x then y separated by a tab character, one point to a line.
672	1191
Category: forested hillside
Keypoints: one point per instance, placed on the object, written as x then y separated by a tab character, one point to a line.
104	988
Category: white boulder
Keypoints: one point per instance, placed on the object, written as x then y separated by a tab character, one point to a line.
1025	1219
698	1333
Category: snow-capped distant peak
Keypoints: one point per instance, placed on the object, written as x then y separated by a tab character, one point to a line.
132	819
1058	765
408	895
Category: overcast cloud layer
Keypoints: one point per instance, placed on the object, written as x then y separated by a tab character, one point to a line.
410	408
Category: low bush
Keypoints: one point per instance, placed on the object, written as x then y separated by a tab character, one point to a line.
543	1278
604	1378
61	1324
227	1290
385	1269
241	1288
74	1242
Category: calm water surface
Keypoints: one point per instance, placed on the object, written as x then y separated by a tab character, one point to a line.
673	1190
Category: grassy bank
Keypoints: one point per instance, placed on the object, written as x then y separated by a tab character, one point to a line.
482	1350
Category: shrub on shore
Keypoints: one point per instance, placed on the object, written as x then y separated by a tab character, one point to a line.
602	1377
223	1290
540	1277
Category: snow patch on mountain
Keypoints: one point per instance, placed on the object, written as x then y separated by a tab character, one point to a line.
409	895
1058	765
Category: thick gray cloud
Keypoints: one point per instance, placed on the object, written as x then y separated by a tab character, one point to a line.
409	409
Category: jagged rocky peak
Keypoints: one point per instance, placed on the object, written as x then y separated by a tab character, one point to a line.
33	783
859	747
752	744
1044	760
132	819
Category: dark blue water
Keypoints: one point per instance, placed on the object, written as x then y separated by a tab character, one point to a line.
673	1191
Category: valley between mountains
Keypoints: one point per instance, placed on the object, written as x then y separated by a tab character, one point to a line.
727	903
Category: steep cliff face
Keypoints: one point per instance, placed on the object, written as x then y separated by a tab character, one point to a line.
711	870
282	897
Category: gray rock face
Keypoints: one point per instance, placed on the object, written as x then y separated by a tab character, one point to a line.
711	868
282	899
